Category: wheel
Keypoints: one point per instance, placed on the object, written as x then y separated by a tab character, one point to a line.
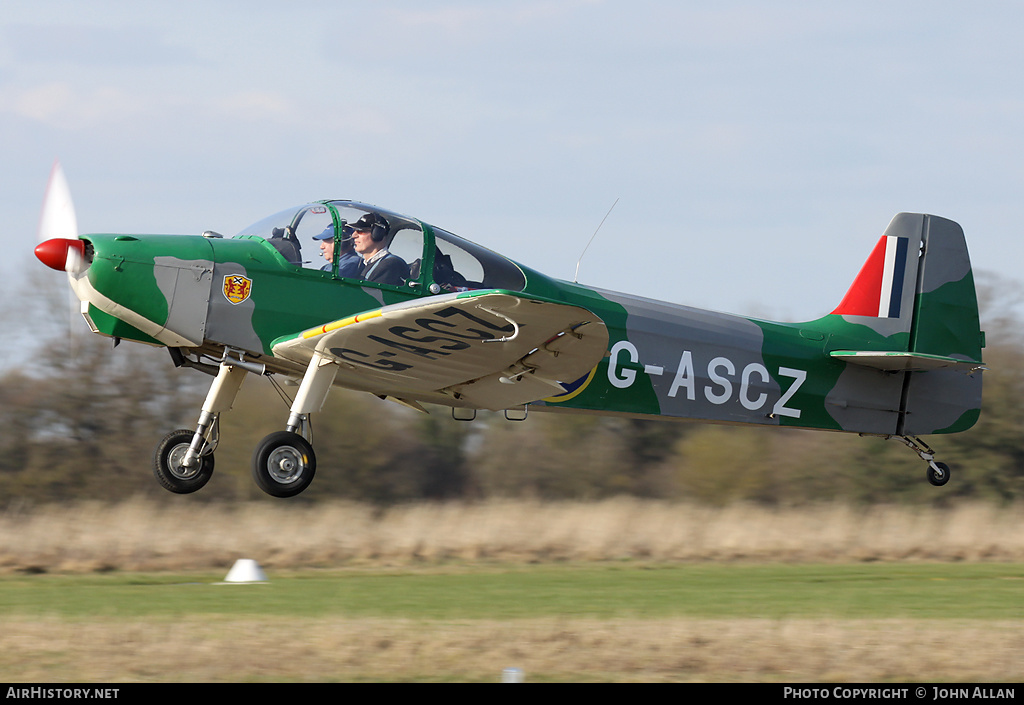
169	471
938	474
283	464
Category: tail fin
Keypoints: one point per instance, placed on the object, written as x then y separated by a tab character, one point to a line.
917	291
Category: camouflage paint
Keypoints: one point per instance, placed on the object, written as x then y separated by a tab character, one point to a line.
663	360
730	369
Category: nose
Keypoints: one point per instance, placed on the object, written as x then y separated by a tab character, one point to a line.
61	253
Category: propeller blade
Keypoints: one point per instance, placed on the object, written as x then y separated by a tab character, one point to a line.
58	218
59	247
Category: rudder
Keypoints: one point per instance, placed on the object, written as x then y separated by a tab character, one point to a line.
946	320
946	324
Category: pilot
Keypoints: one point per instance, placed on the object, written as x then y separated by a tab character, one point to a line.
348	260
370	236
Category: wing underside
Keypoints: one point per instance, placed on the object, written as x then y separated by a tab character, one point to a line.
484	349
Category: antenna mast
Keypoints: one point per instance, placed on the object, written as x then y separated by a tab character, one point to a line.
576	276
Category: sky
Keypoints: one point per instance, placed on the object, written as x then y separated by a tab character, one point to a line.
755	151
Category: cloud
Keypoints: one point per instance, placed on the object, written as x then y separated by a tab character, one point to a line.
64	106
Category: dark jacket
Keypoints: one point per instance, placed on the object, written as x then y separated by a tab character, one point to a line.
389	269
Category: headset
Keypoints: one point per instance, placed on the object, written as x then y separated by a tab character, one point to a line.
377	225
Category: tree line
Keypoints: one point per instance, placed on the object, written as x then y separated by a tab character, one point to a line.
81	420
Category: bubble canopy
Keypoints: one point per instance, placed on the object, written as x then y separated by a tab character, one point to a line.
454	264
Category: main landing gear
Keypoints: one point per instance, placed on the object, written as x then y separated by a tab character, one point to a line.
283	463
938	473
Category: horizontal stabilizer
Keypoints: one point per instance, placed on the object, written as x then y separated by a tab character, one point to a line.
905	361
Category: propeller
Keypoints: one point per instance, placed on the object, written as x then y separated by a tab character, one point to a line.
59	247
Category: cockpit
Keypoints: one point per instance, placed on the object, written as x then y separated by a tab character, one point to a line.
349	240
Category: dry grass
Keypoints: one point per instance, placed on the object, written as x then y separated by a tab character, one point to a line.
143	535
676	649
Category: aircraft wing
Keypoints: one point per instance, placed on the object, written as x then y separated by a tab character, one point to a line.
488	349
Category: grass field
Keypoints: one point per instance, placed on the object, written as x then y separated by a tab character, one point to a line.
792	623
564	592
474	591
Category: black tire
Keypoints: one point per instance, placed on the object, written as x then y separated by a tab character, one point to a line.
283	464
940	477
167	467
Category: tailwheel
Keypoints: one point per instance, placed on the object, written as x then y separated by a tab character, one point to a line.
283	464
938	474
168	465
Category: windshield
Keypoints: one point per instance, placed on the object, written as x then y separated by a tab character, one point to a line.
292	231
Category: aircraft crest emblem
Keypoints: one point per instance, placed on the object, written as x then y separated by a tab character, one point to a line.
237	288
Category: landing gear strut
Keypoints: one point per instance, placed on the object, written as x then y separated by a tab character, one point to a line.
938	473
283	464
184	459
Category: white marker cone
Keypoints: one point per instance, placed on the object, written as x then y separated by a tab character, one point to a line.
246	570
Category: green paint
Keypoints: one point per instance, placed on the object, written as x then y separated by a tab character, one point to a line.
116	328
946	321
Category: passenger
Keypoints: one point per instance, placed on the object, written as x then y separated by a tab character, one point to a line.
348	260
326	240
379	265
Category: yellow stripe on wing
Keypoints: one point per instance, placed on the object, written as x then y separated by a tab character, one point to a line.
328	327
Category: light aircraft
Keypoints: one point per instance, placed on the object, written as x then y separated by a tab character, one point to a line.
460	326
